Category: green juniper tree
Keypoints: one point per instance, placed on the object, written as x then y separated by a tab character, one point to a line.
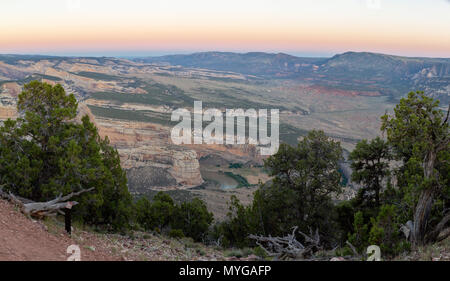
370	165
44	153
190	219
300	194
419	134
157	214
193	218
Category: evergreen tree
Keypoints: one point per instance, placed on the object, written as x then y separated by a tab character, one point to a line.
420	137
370	165
304	179
193	218
44	153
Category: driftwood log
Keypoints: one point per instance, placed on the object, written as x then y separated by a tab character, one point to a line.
41	209
289	247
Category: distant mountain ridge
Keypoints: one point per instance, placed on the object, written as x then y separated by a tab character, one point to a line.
266	63
379	65
355	71
253	63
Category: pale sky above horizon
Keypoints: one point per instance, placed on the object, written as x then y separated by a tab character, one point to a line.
299	27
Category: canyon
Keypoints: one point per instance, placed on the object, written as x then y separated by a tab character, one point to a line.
131	100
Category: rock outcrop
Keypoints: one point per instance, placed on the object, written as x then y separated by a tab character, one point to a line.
162	167
185	167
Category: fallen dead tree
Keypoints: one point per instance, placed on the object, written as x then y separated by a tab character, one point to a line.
41	209
289	247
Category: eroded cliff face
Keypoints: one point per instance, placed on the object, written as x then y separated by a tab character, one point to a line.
163	167
185	167
148	156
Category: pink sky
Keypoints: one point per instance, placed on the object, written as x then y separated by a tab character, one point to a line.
319	27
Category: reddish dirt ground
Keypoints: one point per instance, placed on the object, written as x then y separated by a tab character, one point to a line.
24	239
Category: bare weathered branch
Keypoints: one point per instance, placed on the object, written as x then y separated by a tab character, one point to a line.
352	247
443	235
288	246
41	209
446	118
433	235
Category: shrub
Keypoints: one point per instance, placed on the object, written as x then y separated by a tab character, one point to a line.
385	232
360	236
190	219
193	218
176	233
258	251
143	213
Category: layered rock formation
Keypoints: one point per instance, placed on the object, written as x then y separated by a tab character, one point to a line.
172	167
8	100
185	167
148	156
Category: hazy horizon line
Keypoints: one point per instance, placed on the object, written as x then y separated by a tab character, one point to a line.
166	53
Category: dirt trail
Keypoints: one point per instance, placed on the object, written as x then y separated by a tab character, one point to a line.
25	239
